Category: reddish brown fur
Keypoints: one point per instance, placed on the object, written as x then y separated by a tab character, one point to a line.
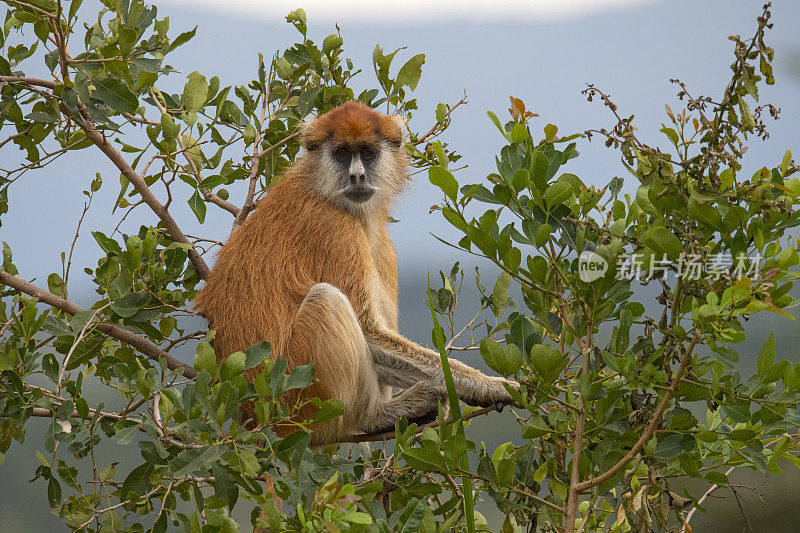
292	241
353	122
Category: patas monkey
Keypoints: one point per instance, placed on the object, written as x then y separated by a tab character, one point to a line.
313	272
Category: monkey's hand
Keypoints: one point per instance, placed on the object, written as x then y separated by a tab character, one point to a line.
486	391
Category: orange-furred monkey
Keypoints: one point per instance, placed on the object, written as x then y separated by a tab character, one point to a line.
313	272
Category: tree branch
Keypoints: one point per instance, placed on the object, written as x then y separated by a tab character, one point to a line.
580	424
135	179
207	194
388	435
136	341
651	428
28	81
147	195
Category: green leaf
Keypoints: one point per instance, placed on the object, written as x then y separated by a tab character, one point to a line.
357	517
556	194
521	179
301	377
496	122
785	162
742	434
534	428
425	460
138	481
169	127
130	304
539	170
501	291
256	354
672	445
198	206
53	492
543	234
305	103
766	356
232	366
662	240
410	518
705	213
717	478
204	358
116	95
331	43
56	285
298	19
547	362
519	133
225	487
195	92
182	39
738	412
444	180
505	360
326	410
671	134
410	73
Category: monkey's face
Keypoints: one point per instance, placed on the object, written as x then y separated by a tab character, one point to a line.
356	157
361	169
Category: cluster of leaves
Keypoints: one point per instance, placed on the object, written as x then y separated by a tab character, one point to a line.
611	422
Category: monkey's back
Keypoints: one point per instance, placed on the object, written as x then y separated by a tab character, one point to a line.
292	241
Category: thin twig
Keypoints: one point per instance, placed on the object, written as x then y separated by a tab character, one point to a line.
713	488
446	116
207	194
86	206
75	345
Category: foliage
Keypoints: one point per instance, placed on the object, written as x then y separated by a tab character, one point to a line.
611	422
617	398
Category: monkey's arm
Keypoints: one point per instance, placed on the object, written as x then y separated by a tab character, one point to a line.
402	362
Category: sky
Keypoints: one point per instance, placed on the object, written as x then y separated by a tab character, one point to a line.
410	11
543	52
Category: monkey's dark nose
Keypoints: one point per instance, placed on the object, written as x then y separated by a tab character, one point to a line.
358	178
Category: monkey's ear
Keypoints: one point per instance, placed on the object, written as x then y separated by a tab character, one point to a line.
308	137
401	123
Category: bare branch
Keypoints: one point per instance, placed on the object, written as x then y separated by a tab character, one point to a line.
28	81
388	435
32	8
23	133
254	163
86	206
438	124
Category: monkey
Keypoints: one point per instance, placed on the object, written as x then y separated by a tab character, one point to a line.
313	271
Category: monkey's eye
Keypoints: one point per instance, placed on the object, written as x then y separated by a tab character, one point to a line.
368	153
341	154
